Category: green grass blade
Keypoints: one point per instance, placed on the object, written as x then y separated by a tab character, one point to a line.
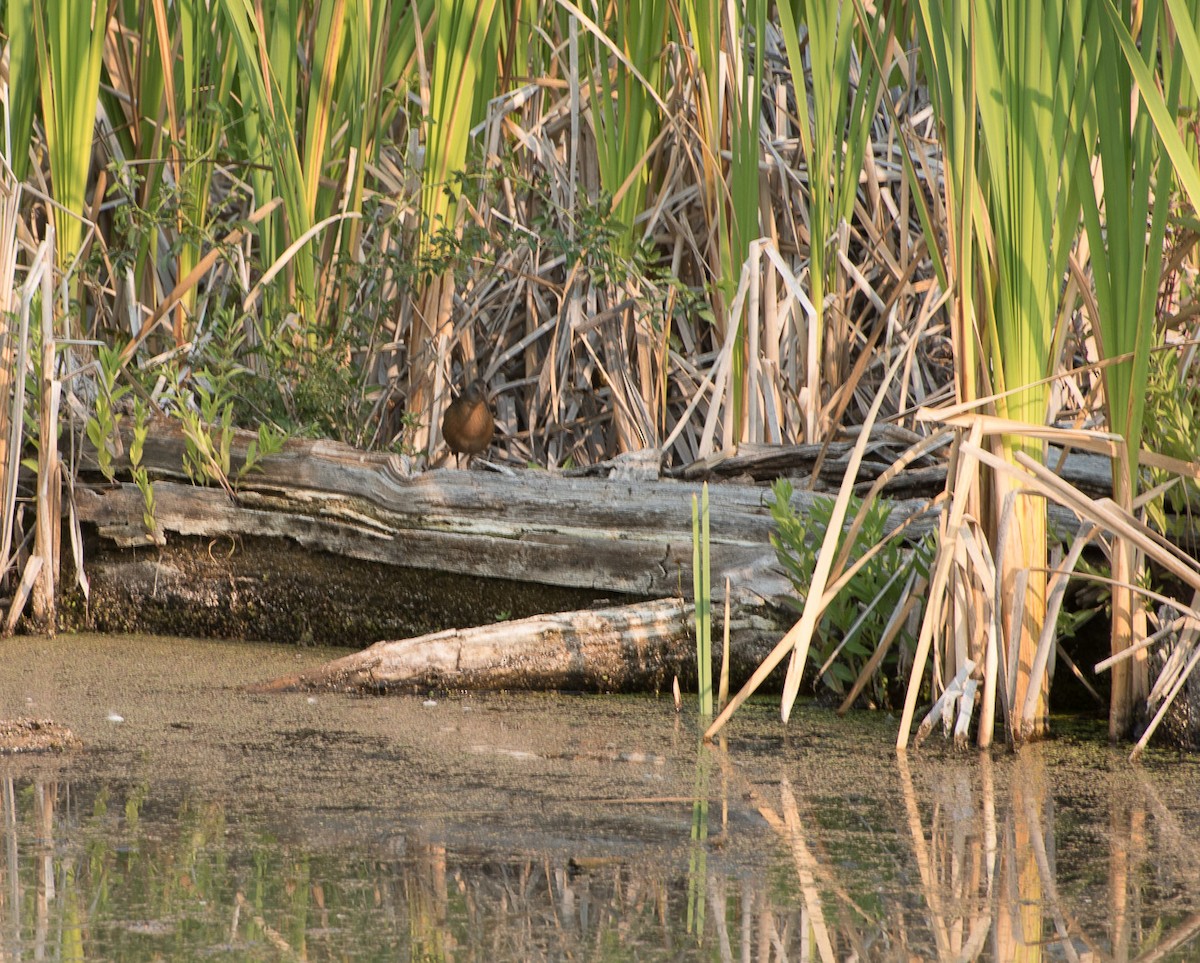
1164	121
22	85
70	43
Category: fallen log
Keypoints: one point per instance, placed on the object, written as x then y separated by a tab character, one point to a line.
330	545
361	517
624	647
621	648
924	478
629	536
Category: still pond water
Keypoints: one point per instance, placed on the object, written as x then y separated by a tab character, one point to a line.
212	824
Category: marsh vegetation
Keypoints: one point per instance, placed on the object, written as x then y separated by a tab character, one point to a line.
679	228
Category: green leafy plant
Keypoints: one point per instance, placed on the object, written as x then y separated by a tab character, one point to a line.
595	240
141	478
208	435
855	621
269	442
103	425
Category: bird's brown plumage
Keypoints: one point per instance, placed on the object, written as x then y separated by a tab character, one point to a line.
468	425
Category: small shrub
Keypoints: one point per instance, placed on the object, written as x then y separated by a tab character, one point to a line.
854	622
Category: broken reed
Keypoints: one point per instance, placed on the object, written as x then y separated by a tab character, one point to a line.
702	593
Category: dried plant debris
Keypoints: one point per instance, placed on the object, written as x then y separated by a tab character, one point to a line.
35	735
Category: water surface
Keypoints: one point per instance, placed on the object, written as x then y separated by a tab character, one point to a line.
213	824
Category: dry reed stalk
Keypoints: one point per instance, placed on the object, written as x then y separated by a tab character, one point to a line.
17	354
807	870
1174	675
985	614
48	520
1022	715
10	204
858	623
799	637
952	523
959	691
895	623
12	339
30	575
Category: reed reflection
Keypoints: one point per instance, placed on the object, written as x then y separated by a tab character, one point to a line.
991	881
991	858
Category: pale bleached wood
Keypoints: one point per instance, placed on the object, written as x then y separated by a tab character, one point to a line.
610	535
623	535
629	536
640	646
1089	472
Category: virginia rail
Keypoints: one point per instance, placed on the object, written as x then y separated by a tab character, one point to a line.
467	424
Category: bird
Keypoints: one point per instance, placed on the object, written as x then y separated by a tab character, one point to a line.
468	425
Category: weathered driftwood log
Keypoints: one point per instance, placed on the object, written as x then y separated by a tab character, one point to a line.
925	477
626	647
455	549
626	535
601	534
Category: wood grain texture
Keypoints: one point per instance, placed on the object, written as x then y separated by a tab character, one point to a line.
611	535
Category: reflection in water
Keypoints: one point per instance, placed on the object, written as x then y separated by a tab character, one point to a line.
698	852
934	859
